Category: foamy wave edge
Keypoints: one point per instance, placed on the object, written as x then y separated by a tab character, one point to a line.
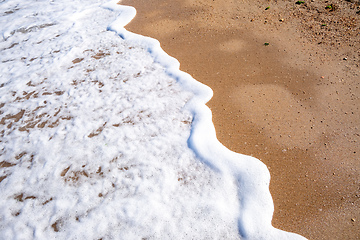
250	175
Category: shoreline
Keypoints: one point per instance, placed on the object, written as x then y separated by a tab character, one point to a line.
291	103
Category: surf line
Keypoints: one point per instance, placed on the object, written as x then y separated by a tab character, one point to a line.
255	207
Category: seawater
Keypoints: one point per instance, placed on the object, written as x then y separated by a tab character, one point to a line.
102	136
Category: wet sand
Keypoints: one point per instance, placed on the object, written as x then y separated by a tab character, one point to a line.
286	91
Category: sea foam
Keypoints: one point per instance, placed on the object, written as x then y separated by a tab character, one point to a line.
104	137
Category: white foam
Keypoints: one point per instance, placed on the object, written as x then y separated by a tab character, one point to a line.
106	138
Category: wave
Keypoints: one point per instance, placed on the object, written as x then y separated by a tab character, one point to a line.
250	175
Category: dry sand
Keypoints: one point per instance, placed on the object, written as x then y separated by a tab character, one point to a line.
293	103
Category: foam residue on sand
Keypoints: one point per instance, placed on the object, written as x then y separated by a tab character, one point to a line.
103	137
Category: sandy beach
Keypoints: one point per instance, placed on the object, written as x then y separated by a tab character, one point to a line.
285	77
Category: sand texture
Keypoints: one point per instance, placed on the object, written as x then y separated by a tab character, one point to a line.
285	78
